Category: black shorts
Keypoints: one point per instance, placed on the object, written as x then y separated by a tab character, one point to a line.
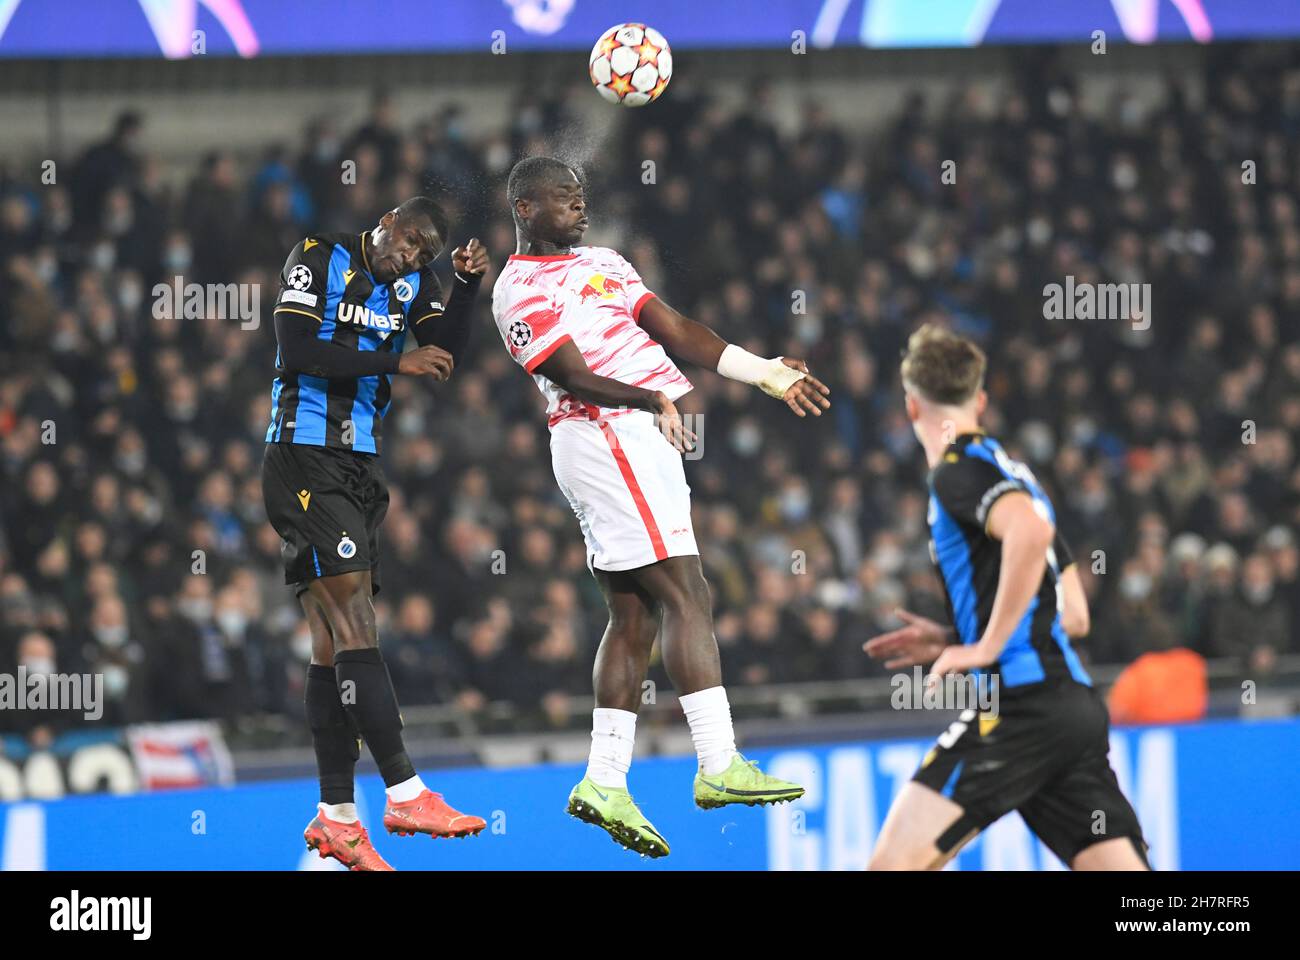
326	505
1044	754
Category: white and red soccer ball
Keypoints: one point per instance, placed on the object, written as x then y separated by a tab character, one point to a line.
631	64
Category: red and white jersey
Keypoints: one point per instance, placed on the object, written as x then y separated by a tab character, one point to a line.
593	297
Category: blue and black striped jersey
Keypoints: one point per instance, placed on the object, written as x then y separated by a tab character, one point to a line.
974	473
327	278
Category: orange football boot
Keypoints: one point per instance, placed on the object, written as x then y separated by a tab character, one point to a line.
427	813
348	843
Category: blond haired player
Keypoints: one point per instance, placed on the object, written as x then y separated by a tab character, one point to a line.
1014	601
597	343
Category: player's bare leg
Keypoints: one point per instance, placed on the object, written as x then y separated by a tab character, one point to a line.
1118	853
336	830
691	658
909	839
602	797
690	649
624	653
367	696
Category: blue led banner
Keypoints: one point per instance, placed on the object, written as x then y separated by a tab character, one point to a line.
154	28
1210	796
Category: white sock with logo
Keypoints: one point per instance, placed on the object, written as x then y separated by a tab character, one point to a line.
406	790
339	812
709	715
613	734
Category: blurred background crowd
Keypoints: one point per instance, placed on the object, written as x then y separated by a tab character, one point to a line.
134	541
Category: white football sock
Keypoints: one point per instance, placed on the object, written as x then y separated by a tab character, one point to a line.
709	716
339	812
613	734
406	790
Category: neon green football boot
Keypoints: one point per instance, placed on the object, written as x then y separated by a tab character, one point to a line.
742	782
613	810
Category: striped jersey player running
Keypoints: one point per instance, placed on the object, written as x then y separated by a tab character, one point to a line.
597	343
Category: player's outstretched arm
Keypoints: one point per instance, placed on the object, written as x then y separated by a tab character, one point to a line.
918	642
1025	536
566	367
783	377
682	337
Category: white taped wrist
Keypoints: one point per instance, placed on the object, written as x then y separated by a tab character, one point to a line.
771	376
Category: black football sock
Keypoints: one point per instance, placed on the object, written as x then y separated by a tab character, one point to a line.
366	691
333	735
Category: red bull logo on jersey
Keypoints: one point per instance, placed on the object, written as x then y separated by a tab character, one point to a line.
360	315
600	287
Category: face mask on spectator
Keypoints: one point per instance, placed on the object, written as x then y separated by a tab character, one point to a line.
132	464
1135	586
103	256
795	505
1124	176
47	268
39	665
889	560
119	222
177	258
116	680
808	329
197	609
129	296
410	422
302	646
746	439
326	148
1258	593
499	157
112	637
232	623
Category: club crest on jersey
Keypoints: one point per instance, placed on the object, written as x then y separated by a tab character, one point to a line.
520	333
347	548
359	315
405	292
299	277
599	286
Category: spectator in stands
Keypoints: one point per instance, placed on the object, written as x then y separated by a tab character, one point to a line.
129	431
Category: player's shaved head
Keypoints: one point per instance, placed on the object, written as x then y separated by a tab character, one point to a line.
419	209
408	237
531	175
943	367
548	203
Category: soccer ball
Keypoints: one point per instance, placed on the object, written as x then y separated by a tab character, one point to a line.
631	64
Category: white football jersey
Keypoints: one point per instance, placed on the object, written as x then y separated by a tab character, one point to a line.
593	297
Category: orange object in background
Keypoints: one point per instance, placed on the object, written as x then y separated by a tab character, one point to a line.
1169	686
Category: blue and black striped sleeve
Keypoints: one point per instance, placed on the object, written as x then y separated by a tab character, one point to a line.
302	351
968	488
303	280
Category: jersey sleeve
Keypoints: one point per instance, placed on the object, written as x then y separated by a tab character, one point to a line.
968	487
302	281
530	327
429	302
1064	555
445	320
634	289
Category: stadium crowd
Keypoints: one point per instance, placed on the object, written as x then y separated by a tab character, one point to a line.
134	541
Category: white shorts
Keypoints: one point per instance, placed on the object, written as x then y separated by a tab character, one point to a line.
627	488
